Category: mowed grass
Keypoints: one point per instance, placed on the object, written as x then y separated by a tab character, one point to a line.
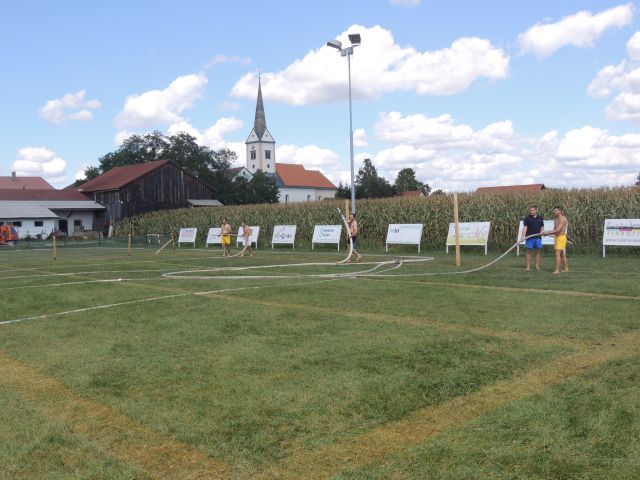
112	370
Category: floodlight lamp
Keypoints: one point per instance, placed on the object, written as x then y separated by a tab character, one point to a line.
354	38
337	44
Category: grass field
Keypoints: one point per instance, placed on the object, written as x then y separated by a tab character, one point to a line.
111	370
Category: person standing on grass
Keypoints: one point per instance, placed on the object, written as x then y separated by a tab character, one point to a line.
560	231
353	234
246	237
532	225
226	238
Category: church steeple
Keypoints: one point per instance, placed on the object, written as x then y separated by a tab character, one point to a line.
261	147
260	122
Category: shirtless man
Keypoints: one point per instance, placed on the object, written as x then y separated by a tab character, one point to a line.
246	237
226	238
560	231
353	234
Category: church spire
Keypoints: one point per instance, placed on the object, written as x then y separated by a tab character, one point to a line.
260	122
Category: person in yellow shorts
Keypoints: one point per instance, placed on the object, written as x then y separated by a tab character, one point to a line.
560	244
226	238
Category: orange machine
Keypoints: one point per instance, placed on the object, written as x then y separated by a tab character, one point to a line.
8	235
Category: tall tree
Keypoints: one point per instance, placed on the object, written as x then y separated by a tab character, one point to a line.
406	182
638	182
369	184
344	191
262	189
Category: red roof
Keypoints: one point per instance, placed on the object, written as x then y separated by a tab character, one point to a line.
293	175
534	187
24	183
412	193
42	194
118	177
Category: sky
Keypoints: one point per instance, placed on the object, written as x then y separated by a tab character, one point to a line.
466	93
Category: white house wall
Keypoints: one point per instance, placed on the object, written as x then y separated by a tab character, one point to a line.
86	217
29	228
295	195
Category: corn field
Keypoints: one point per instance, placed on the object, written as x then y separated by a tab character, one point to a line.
586	210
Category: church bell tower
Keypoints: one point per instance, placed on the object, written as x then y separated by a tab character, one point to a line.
261	147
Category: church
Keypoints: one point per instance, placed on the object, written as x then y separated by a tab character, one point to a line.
295	183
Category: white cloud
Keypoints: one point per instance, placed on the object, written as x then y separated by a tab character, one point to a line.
379	65
359	138
69	107
405	3
623	81
162	106
212	137
40	162
230	106
311	156
582	30
633	46
456	157
219	59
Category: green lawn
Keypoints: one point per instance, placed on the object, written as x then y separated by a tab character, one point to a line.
413	373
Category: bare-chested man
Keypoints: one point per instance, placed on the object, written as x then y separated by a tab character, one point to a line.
246	238
560	231
226	238
353	234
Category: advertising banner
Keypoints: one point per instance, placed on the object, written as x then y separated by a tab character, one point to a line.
622	232
404	234
284	234
188	235
470	233
326	234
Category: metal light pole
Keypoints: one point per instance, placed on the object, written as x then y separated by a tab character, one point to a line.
354	38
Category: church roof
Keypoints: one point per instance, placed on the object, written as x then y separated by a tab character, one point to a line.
260	122
293	175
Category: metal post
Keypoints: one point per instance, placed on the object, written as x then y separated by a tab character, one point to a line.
353	184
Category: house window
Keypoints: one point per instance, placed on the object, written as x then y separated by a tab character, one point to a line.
77	226
267	154
253	154
17	224
253	166
38	223
268	165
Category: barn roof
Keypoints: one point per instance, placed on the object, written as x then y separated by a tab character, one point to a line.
42	195
118	177
294	175
16	182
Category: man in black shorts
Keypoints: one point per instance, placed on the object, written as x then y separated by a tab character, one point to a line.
532	225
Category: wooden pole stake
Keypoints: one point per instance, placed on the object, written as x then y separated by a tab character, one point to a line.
456	228
55	251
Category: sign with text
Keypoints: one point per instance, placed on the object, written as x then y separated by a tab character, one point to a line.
469	233
188	235
621	232
284	235
326	234
255	231
404	234
214	236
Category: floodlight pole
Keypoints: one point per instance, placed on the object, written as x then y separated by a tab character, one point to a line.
354	38
353	183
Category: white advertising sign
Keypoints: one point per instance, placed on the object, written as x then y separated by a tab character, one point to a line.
284	234
547	240
214	236
255	231
469	233
326	234
404	234
188	235
621	232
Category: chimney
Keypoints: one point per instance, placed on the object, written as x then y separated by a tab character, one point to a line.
13	175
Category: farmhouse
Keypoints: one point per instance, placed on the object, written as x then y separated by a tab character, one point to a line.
145	187
294	182
38	212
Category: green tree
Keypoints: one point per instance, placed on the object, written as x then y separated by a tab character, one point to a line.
369	184
638	182
344	191
262	189
406	182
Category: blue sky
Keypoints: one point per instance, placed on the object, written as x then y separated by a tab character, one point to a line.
466	93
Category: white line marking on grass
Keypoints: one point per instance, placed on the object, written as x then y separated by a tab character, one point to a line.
153	299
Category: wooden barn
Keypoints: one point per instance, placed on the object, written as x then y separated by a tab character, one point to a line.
145	187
